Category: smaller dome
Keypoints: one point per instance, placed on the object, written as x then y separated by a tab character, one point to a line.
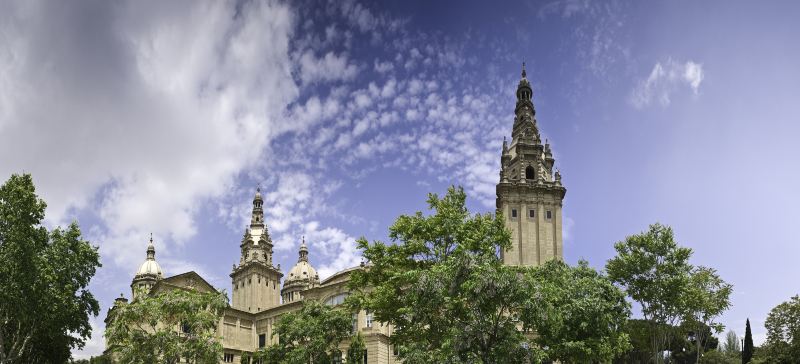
149	267
302	270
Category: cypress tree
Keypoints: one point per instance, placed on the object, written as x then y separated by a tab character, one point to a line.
747	350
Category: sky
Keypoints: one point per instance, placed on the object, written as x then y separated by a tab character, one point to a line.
139	117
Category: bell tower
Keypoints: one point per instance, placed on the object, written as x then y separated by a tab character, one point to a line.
529	194
256	282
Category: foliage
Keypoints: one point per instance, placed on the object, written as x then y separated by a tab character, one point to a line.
718	357
685	347
731	345
356	351
580	315
167	327
655	271
783	332
308	336
450	299
706	297
747	350
101	359
44	300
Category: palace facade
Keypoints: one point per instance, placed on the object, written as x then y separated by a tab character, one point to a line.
529	194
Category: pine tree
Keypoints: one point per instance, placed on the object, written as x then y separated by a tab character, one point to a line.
747	350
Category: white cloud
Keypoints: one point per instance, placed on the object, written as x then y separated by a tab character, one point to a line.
330	67
665	80
140	109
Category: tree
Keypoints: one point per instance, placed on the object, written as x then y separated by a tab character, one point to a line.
44	300
580	315
655	272
707	296
731	345
309	336
783	332
717	357
167	327
450	299
747	350
356	351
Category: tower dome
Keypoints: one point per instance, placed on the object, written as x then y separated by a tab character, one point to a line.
301	277
149	272
150	267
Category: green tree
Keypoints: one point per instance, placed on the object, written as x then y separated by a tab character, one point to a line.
309	336
450	299
717	357
356	350
167	327
706	297
655	272
731	345
579	316
747	350
44	300
783	332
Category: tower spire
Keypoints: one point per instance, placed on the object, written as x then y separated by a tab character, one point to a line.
257	218
524	74
303	251
151	249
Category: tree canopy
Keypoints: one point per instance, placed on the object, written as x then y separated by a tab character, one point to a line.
44	300
450	299
309	336
656	273
167	327
783	333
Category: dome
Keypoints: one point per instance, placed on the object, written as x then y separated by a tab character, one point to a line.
303	269
150	266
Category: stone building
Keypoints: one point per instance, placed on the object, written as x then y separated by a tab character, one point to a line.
529	195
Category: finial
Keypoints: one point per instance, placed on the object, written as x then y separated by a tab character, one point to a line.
524	74
151	238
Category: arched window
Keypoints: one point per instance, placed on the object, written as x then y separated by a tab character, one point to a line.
530	173
336	300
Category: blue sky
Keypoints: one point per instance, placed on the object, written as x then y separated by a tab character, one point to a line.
138	117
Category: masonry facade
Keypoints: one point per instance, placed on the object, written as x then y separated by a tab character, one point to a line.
529	195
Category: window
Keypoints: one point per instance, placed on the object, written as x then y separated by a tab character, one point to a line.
355	322
227	357
530	173
365	356
337	357
395	351
549	214
369	319
262	340
531	213
185	327
336	300
513	213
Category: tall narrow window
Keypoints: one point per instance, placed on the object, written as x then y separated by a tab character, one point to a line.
369	319
530	173
355	322
513	213
262	340
531	213
549	214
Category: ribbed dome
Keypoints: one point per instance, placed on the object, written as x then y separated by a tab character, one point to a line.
150	266
301	270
